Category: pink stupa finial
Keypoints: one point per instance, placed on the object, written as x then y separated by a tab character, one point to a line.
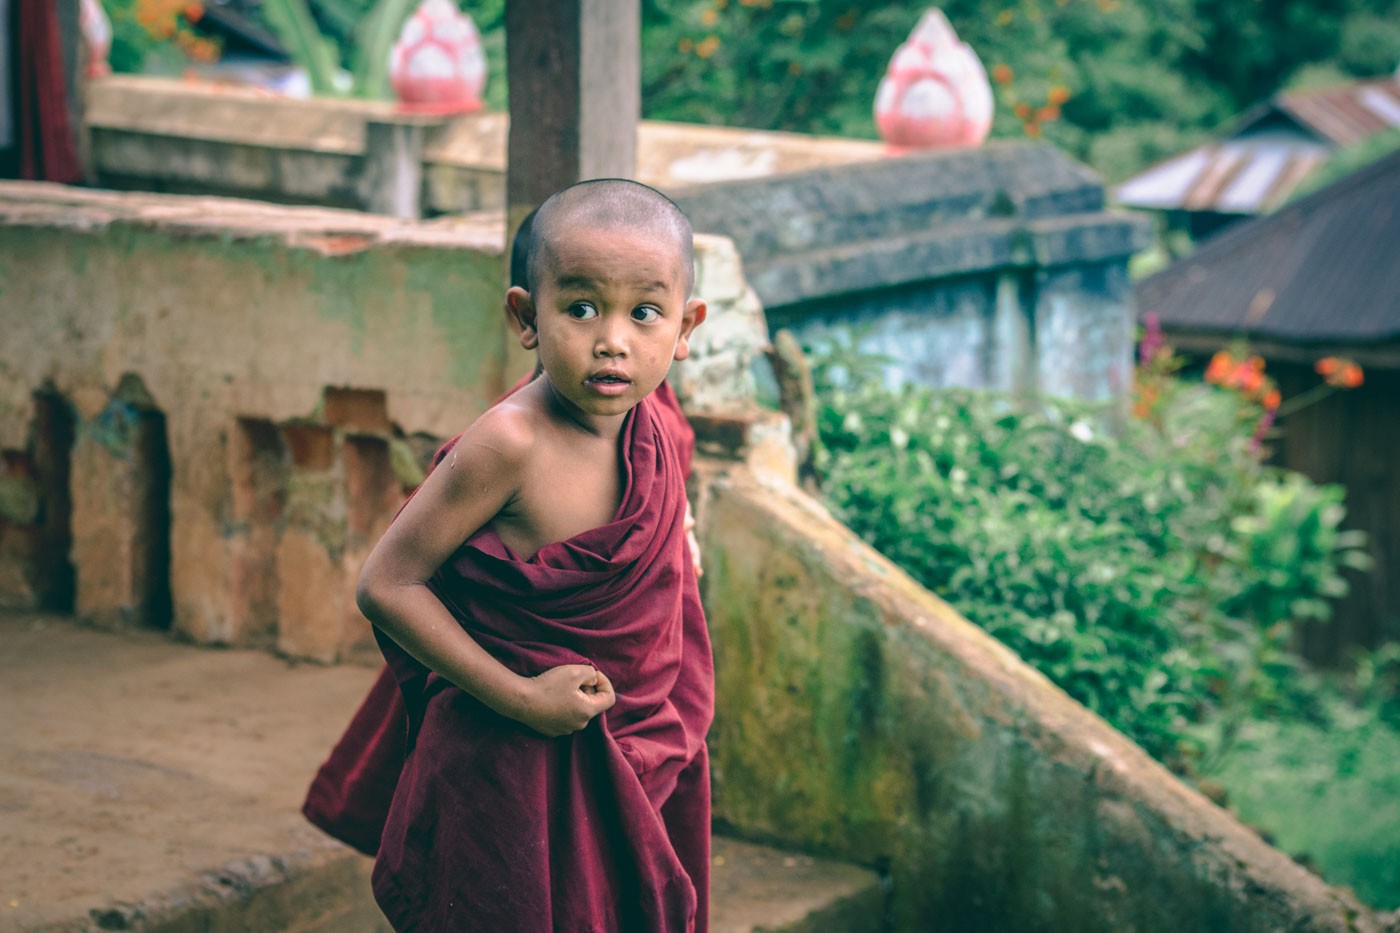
935	92
437	65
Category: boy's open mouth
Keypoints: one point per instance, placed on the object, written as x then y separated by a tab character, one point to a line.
608	383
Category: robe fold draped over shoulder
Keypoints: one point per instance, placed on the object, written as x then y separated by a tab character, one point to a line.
480	823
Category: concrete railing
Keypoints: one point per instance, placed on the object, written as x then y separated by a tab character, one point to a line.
859	715
187	137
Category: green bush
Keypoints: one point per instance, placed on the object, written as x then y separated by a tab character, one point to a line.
1152	571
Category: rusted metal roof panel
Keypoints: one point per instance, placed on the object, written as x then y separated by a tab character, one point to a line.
1348	114
1268	153
1245	176
1325	268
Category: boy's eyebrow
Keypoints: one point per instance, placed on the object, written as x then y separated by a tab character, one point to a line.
573	281
565	282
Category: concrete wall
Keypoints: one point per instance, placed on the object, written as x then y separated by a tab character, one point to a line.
245	387
858	715
209	409
997	268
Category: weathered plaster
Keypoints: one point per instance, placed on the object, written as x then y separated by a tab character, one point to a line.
226	310
859	715
292	353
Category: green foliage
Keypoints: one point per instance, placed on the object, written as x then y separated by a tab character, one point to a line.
1153	573
1327	791
357	35
1290	543
1144	79
295	28
1350	160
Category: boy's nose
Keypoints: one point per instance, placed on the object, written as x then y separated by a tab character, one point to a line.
612	341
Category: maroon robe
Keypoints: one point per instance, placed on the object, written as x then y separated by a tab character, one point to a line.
495	827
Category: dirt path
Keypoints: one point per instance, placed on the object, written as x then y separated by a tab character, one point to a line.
131	765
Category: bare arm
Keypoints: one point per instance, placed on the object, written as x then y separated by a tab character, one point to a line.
474	483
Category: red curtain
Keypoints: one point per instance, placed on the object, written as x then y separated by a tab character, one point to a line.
47	150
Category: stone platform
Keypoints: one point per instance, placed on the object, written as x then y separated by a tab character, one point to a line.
149	785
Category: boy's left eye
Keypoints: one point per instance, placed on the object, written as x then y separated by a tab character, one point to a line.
645	314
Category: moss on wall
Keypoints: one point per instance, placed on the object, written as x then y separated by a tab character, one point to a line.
859	716
224	311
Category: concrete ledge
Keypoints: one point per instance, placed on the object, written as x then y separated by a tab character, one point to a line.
756	889
325	891
830	232
857	714
190	137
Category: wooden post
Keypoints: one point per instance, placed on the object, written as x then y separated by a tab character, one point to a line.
574	72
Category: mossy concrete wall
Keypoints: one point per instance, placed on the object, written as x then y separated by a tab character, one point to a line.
211	408
858	715
259	373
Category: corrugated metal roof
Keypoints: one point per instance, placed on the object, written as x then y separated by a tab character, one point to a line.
1269	152
1323	269
1248	176
1347	114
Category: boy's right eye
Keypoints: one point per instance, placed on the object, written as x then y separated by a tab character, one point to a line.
582	311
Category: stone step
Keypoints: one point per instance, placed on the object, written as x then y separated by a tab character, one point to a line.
756	889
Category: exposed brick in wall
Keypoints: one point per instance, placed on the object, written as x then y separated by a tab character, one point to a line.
35	508
309	498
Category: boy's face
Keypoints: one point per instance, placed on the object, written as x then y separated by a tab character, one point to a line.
608	315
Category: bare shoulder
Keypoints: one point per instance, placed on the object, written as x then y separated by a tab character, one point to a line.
497	444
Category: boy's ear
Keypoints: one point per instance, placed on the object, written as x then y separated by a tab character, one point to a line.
520	311
691	318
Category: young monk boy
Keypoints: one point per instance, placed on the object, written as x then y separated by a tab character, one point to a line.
537	605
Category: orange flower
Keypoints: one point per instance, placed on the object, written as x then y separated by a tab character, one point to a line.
1272	399
1220	366
707	47
1022	111
1340	372
708	17
1058	94
192	12
1249	379
1002	73
1046	114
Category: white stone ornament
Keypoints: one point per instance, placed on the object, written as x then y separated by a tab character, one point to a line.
935	92
437	65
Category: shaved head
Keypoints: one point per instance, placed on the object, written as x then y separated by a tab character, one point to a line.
608	204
